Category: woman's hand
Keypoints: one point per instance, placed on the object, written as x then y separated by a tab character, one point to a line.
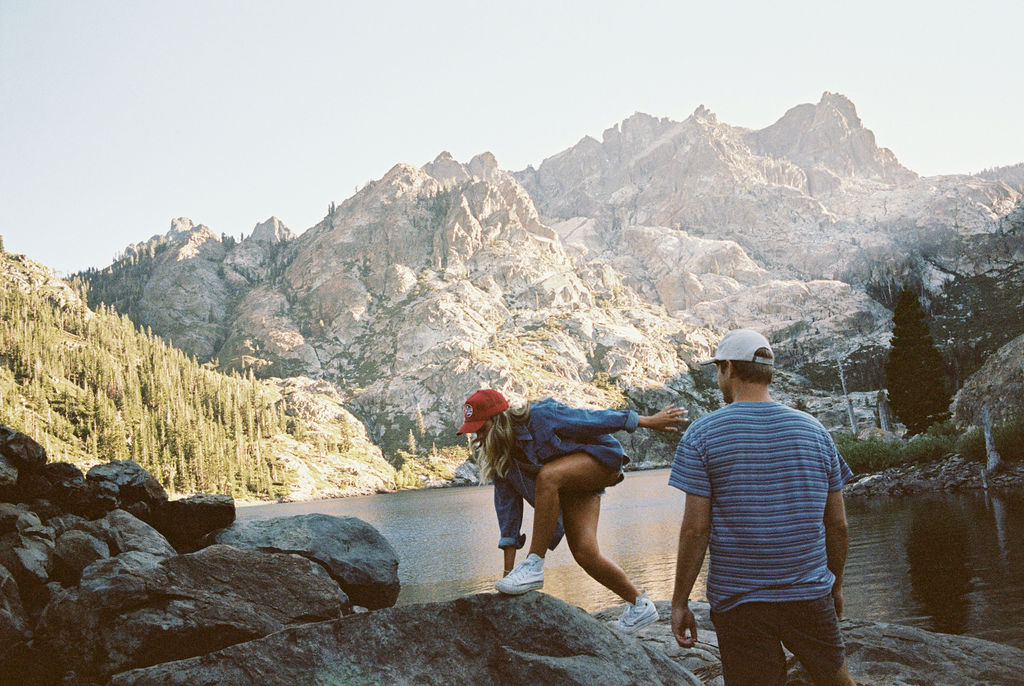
663	421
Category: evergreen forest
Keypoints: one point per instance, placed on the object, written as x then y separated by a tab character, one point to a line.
91	387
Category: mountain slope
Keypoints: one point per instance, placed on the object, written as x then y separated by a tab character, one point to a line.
90	387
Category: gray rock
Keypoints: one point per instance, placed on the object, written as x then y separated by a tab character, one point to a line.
28	555
127	533
477	640
878	654
14	632
132	483
8	473
13	622
136	610
354	553
184	522
74	551
21	451
9	514
466	474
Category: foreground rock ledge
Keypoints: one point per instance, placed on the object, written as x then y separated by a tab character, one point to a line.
478	640
878	654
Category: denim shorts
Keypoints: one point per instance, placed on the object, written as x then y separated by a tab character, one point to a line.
751	636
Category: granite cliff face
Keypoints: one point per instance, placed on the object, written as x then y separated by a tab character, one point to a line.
424	286
810	196
600	276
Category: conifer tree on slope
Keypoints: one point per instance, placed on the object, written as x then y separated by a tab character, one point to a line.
915	373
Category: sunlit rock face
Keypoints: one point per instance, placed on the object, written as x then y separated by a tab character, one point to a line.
808	196
598	277
432	282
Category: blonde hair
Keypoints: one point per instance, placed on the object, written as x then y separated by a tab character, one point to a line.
500	447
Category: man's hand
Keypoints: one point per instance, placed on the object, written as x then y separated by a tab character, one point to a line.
663	420
683	621
837	598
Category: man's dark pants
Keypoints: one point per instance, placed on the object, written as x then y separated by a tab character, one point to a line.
751	636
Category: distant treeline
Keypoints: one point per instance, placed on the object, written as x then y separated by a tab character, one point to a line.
90	386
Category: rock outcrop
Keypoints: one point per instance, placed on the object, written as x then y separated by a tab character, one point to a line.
356	556
878	654
999	384
83	598
136	609
482	639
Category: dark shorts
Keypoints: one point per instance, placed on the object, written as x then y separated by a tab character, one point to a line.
751	636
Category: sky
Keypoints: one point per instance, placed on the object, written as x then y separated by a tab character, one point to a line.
116	117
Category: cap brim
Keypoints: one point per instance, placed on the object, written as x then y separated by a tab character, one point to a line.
707	362
470	427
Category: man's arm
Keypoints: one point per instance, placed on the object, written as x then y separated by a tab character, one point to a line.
837	541
693	543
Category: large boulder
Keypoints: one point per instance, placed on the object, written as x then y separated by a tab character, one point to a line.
21	450
14	631
9	514
186	521
136	609
74	551
71	492
13	622
132	483
125	533
354	553
477	640
27	553
21	460
8	474
877	654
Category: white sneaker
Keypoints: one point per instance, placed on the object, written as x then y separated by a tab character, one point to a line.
526	576
637	615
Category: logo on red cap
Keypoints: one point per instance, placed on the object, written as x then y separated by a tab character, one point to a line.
480	407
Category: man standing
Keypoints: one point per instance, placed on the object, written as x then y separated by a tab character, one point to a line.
763	484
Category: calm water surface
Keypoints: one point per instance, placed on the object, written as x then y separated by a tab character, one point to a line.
949	563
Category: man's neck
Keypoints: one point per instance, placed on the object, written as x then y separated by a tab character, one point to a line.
751	393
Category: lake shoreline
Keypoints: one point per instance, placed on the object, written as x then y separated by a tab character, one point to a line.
947	475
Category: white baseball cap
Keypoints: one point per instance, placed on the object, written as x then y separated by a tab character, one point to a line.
741	345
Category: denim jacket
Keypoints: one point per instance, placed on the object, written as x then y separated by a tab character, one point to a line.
554	430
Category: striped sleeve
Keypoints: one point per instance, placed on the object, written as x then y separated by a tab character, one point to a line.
838	471
689	471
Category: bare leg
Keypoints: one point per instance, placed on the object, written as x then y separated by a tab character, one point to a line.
572	472
580	512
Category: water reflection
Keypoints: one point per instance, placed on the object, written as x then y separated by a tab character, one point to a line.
938	552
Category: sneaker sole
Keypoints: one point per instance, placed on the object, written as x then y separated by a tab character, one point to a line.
520	589
646	621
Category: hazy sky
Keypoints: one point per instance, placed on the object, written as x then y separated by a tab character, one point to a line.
116	117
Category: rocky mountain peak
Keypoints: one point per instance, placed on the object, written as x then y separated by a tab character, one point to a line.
271	232
484	166
829	142
702	113
447	170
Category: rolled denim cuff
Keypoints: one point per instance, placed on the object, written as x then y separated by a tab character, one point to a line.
632	421
508	541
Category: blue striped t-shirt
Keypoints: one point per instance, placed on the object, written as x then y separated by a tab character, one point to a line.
767	469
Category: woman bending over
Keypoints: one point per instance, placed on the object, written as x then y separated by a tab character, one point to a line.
559	459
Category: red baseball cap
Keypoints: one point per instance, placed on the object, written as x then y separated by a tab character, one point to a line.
480	407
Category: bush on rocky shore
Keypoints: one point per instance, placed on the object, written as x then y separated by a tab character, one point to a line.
876	453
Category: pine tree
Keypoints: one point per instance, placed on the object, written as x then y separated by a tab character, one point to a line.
915	372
